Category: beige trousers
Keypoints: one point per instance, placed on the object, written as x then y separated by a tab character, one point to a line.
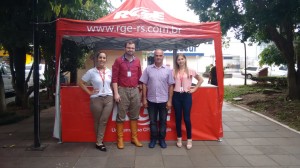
101	108
130	103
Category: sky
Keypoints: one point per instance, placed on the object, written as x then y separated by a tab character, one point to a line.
176	8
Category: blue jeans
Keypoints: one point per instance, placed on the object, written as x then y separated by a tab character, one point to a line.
182	103
157	130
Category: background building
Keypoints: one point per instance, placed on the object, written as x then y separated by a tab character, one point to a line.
199	57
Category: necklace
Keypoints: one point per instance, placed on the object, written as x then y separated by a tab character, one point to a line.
181	74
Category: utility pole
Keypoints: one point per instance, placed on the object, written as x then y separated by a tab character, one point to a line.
36	77
245	81
36	82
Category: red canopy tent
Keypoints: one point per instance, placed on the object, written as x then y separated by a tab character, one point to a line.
149	26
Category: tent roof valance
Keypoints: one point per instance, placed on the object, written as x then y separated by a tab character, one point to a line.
146	44
141	21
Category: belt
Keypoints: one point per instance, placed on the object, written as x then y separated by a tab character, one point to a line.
182	92
104	96
129	87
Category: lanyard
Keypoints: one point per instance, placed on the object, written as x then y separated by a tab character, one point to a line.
102	75
129	62
181	78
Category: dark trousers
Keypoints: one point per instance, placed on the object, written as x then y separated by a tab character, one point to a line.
157	130
182	103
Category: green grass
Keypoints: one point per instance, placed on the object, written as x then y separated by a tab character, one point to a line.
231	92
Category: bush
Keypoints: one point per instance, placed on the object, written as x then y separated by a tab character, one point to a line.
274	81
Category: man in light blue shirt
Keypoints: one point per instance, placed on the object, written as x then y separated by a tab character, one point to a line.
158	83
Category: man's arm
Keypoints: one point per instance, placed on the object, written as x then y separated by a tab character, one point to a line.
209	77
116	92
145	102
169	103
115	78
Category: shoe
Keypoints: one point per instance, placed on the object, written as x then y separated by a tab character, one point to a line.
152	143
162	143
179	142
134	136
189	144
120	143
101	147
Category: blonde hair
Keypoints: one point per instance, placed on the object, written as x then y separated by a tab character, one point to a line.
176	67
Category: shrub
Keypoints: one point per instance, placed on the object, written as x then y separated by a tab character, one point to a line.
274	81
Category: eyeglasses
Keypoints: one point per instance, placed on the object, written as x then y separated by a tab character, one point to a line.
158	55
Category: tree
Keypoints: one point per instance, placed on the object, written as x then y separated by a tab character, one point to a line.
84	10
73	57
16	31
260	21
15	34
271	55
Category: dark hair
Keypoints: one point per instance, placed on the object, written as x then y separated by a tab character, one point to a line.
128	42
98	53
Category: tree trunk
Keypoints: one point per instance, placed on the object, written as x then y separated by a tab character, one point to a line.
293	85
293	78
2	96
19	58
285	45
297	54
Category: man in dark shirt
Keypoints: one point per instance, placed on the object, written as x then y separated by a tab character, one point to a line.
213	76
126	72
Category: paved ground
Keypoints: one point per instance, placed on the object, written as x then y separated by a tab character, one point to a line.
250	140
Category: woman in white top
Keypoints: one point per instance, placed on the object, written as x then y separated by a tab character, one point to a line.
101	96
182	97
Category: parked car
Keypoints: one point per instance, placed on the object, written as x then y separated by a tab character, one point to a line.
6	76
280	70
41	72
252	71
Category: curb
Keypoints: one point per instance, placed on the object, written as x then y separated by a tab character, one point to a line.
266	117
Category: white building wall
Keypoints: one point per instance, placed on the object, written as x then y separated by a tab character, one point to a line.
234	55
237	48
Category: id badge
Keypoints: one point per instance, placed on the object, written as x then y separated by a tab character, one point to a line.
181	89
128	73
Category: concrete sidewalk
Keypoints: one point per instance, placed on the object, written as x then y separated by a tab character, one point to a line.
250	140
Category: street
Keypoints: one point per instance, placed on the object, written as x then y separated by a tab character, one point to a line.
9	97
237	79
